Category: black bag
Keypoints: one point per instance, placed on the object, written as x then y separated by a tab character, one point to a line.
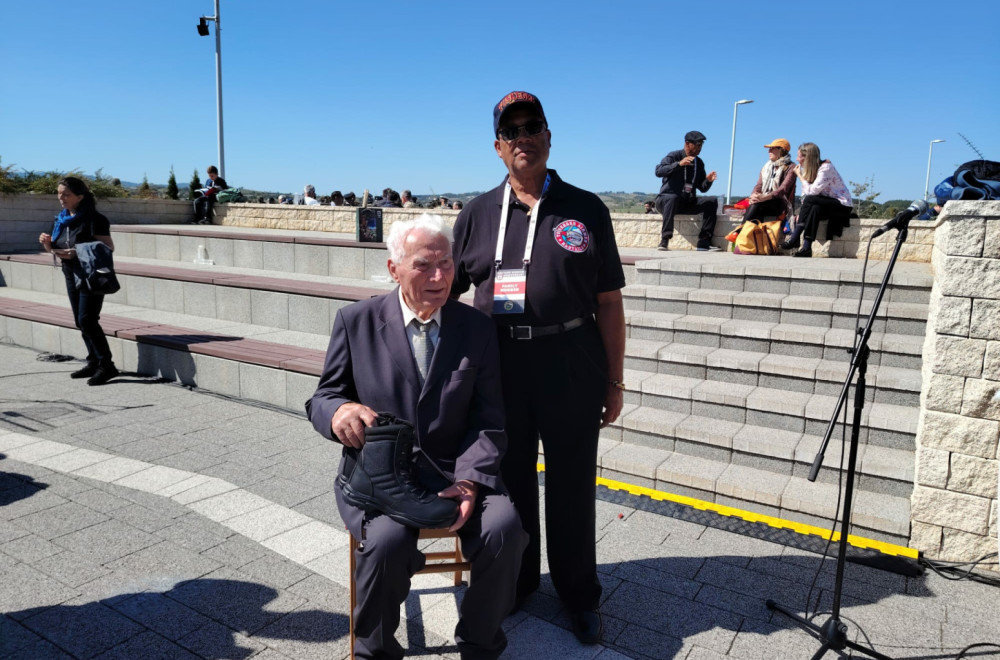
94	269
103	282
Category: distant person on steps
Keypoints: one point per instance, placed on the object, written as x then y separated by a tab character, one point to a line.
683	174
204	202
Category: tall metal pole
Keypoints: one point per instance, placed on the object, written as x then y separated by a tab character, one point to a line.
218	88
732	148
927	181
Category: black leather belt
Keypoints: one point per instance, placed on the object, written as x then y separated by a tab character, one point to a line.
532	331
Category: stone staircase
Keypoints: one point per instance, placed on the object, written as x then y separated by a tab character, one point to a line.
733	364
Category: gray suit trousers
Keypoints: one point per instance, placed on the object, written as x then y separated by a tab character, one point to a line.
492	540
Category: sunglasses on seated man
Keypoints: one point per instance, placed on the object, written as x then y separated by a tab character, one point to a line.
531	128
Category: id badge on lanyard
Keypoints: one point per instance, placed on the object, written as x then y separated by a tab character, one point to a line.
689	185
508	291
510	284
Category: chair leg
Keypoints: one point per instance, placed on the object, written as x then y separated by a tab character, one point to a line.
458	558
352	547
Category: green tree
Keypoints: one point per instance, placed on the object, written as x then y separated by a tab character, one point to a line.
864	197
172	191
145	190
9	184
195	184
105	186
47	183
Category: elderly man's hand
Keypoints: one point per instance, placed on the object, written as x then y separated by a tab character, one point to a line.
465	492
349	422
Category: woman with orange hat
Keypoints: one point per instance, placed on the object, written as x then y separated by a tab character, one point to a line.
774	193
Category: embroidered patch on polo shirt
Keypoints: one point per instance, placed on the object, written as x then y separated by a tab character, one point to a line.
572	235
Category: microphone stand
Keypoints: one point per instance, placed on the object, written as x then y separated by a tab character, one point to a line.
833	633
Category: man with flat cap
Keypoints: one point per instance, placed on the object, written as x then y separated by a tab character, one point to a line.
543	258
683	174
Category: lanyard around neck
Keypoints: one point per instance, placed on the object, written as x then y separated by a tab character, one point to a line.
505	219
694	170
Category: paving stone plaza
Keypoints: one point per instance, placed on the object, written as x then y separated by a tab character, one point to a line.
145	519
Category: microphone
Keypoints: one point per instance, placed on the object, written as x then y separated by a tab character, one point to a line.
915	208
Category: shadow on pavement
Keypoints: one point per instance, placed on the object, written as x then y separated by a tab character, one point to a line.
208	618
658	607
14	486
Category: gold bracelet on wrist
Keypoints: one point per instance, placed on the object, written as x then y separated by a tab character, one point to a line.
620	384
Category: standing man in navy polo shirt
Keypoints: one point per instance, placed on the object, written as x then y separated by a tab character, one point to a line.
683	174
543	258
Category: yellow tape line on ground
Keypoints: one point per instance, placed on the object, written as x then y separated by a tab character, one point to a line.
749	516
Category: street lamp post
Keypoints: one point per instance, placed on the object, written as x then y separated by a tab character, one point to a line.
732	148
927	181
203	31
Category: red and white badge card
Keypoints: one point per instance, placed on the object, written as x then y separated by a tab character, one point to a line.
508	291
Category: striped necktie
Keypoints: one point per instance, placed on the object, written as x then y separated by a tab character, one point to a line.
423	349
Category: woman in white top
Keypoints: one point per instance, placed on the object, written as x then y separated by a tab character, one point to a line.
824	197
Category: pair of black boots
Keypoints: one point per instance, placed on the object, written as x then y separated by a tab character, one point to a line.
381	477
96	374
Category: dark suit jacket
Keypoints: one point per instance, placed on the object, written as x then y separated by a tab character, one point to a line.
458	414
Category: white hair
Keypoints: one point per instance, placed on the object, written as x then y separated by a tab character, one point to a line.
432	224
309	189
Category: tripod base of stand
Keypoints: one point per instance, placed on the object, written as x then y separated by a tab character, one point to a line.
833	634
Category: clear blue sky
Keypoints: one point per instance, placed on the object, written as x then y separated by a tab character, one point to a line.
354	95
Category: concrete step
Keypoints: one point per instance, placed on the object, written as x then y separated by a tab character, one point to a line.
886	384
283	251
289	251
876	515
899	317
885	470
827	278
273	299
882	424
774	338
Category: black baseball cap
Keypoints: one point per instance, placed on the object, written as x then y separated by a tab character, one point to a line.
512	99
694	136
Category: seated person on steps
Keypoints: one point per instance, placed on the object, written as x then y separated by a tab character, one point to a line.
206	197
774	194
824	197
683	174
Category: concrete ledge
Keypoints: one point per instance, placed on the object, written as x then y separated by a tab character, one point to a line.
227	347
167	273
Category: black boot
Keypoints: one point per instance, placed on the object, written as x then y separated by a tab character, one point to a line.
383	478
86	372
103	374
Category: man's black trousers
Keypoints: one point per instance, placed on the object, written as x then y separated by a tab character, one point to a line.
554	388
669	205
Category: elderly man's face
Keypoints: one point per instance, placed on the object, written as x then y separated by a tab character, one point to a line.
524	155
425	272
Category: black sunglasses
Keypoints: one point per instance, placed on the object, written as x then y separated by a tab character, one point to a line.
531	128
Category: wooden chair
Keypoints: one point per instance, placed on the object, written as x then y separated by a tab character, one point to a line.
450	561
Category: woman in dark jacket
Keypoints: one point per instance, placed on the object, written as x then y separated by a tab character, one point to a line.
79	222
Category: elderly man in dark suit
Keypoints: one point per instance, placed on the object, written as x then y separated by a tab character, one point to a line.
455	404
